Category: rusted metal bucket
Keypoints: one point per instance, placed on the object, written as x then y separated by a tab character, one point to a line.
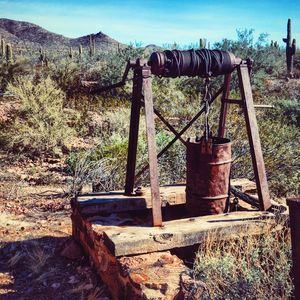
208	171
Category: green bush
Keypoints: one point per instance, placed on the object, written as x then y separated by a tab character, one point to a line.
279	140
253	267
41	125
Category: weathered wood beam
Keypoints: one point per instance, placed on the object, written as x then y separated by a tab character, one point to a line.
127	240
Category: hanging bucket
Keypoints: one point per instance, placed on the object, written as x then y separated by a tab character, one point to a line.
208	171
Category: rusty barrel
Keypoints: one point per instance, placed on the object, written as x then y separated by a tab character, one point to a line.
208	172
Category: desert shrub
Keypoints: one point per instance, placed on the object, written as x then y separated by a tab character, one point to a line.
290	109
66	74
253	267
88	171
106	68
41	126
297	65
268	62
279	139
10	71
282	156
113	147
269	59
104	164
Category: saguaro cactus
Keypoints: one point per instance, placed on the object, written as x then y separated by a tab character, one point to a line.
8	52
92	45
42	55
80	51
202	43
290	49
2	48
70	53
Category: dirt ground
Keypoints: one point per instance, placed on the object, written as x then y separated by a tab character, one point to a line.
34	225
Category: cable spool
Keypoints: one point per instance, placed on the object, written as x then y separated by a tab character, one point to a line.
200	62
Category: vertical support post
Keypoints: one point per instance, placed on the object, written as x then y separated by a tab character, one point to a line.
152	154
134	129
294	212
253	136
225	95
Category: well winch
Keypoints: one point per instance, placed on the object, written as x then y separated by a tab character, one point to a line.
139	238
208	157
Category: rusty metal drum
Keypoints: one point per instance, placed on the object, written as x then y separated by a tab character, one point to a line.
208	172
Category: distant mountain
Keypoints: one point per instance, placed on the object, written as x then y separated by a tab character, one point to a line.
26	35
154	47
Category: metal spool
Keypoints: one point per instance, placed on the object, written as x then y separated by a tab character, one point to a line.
208	171
203	63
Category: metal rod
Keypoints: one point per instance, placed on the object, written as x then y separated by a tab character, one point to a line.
180	133
248	199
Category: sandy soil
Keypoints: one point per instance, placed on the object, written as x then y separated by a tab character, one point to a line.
34	225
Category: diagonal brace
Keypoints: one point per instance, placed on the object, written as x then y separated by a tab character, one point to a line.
138	175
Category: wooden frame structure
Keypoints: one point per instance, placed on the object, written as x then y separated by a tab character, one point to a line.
142	96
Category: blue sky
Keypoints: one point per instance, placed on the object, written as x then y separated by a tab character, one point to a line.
158	22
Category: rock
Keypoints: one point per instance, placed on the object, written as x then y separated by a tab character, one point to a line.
191	288
244	184
55	285
71	250
87	286
73	280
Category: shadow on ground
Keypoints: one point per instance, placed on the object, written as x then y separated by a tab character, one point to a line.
34	269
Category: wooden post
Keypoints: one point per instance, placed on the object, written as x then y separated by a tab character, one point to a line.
294	212
253	136
225	95
152	154
134	130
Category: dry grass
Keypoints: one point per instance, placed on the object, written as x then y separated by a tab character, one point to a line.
46	275
12	190
88	291
254	267
15	259
97	294
37	259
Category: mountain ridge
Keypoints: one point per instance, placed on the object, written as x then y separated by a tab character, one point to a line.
22	34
